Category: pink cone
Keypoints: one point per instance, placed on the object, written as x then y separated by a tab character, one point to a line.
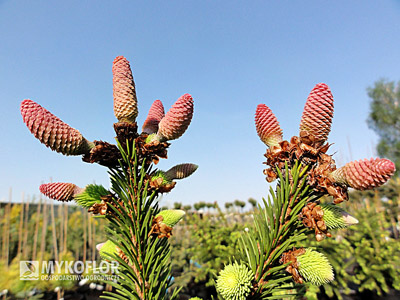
52	131
156	113
364	174
267	126
180	171
60	190
317	115
177	119
125	101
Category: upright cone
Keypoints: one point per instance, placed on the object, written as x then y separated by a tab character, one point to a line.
60	191
317	116
53	132
156	113
125	101
364	174
177	119
267	126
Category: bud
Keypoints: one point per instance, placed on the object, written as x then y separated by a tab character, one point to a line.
108	247
171	216
317	116
60	190
364	174
336	217
90	195
234	282
53	132
180	171
315	267
267	126
156	113
125	101
177	119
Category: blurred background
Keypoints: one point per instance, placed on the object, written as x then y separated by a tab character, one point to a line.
230	56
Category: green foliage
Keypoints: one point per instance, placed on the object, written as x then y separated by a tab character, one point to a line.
384	118
146	268
202	245
276	230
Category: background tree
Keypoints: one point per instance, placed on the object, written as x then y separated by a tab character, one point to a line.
253	202
384	118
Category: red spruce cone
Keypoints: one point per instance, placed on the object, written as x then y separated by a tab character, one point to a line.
267	126
125	101
60	190
317	116
156	113
53	132
177	119
364	174
180	171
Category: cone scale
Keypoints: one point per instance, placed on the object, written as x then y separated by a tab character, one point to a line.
53	132
177	119
317	116
125	101
267	126
364	174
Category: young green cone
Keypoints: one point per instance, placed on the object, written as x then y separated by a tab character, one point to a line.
336	217
234	282
315	267
107	247
171	216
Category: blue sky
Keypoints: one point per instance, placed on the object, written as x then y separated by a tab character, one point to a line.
230	55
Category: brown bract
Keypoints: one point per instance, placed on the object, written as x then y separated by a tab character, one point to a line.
160	229
160	186
320	165
312	217
98	208
291	257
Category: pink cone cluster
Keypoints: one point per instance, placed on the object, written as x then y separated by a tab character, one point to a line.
180	171
156	113
177	119
60	190
52	131
317	115
267	126
125	101
364	174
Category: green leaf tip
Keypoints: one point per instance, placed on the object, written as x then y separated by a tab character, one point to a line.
171	216
234	282
336	217
90	195
315	267
162	175
195	298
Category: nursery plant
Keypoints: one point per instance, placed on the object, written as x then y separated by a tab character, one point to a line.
138	230
273	262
